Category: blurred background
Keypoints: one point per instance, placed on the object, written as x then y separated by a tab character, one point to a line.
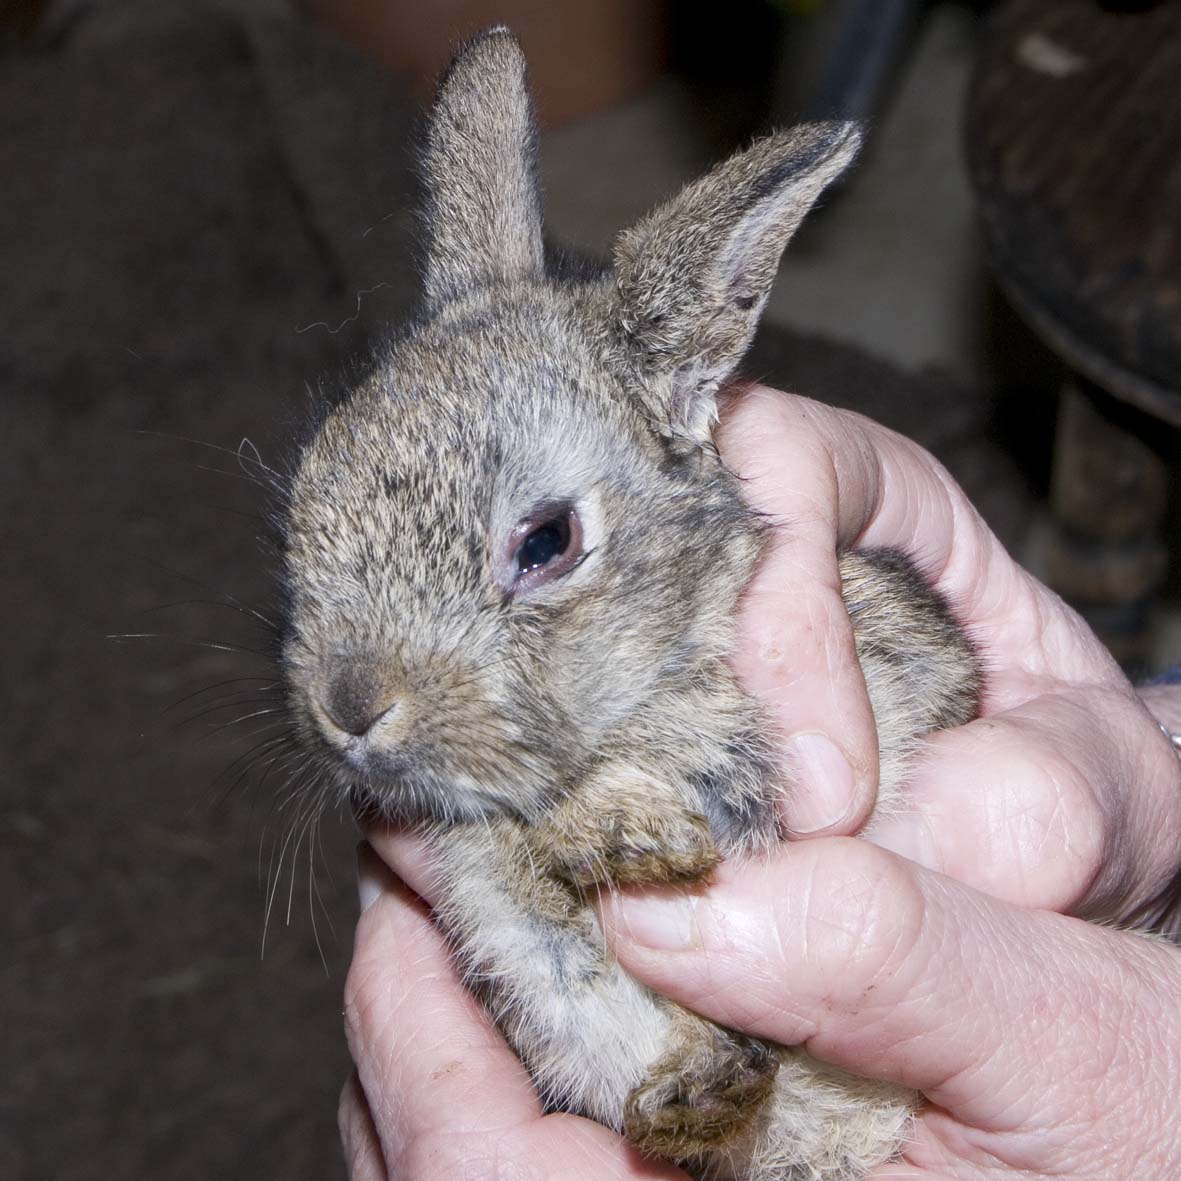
206	217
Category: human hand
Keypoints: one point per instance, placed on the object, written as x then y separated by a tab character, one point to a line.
436	1092
1069	818
1064	794
1046	1046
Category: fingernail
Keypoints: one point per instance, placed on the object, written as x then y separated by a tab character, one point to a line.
823	788
369	884
662	922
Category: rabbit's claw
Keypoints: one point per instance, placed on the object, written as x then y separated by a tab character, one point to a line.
701	1096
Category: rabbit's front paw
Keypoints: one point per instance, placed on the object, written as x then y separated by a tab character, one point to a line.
617	848
702	1095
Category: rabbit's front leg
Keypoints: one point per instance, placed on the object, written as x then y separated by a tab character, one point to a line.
655	812
624	827
529	945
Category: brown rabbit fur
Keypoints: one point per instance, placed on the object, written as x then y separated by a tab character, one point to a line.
513	559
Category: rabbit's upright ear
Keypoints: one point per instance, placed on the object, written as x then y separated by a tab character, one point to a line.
694	275
483	208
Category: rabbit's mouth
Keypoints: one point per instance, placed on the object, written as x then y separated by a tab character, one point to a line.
406	750
409	776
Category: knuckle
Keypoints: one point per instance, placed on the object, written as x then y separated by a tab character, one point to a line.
1053	822
761	416
466	1157
366	995
815	617
771	409
862	923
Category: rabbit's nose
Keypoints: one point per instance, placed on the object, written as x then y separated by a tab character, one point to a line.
355	703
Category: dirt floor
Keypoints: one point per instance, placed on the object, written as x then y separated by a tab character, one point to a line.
201	220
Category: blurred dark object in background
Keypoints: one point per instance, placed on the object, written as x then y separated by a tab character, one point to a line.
203	211
749	62
863	44
582	57
1074	147
1131	5
18	18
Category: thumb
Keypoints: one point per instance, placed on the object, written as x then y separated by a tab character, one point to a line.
894	972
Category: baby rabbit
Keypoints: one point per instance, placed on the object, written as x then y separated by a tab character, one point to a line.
513	559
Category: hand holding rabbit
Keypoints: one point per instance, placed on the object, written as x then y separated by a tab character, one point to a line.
995	953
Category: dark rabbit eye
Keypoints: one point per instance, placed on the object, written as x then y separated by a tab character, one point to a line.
543	547
548	541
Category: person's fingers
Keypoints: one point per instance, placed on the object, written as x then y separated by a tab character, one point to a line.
428	1058
1071	802
795	643
842	480
826	480
358	1136
899	973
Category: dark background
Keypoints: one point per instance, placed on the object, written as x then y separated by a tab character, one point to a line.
204	215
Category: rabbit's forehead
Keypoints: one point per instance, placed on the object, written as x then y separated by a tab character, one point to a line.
447	457
510	403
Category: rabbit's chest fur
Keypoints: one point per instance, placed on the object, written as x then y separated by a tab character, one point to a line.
512	562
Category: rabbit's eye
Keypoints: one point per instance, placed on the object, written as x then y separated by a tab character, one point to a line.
545	543
544	547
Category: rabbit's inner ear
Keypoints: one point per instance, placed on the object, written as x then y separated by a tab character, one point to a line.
483	206
694	275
